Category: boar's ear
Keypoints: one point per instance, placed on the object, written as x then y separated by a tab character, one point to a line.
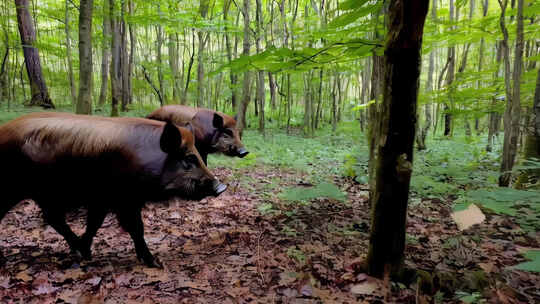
217	121
171	139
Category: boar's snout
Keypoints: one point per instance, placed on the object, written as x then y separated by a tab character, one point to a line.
242	152
218	187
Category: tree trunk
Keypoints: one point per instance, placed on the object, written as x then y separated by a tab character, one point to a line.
260	73
242	106
161	78
203	10
116	69
38	87
105	54
173	63
513	108
494	115
450	80
84	103
190	66
131	61
397	128
232	76
4	73
532	140
68	56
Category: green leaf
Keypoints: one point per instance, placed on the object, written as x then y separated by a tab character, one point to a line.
352	4
533	265
354	15
306	194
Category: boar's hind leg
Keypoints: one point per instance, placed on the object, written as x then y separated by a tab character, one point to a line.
94	220
131	221
57	220
5	206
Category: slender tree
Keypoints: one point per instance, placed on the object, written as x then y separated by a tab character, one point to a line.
246	93
38	87
513	108
396	136
84	103
105	55
68	55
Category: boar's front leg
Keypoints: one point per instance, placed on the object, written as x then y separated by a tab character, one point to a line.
94	220
57	220
131	221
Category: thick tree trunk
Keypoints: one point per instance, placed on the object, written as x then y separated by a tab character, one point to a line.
396	141
513	108
84	103
105	55
68	55
116	70
38	87
242	106
373	118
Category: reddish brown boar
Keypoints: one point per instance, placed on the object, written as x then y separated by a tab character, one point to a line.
214	131
65	161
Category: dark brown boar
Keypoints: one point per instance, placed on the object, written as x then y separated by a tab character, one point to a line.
214	131
64	161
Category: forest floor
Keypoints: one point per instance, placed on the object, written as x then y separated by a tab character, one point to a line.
223	250
262	242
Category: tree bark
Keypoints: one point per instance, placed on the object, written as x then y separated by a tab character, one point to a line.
396	140
532	140
242	106
38	87
513	108
116	69
203	11
173	63
84	103
105	55
161	78
131	60
260	73
68	55
232	76
450	79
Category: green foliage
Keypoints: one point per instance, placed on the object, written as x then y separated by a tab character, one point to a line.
469	298
533	265
506	200
304	194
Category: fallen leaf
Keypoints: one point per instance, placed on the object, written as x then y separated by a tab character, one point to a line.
368	287
23	276
94	281
468	217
